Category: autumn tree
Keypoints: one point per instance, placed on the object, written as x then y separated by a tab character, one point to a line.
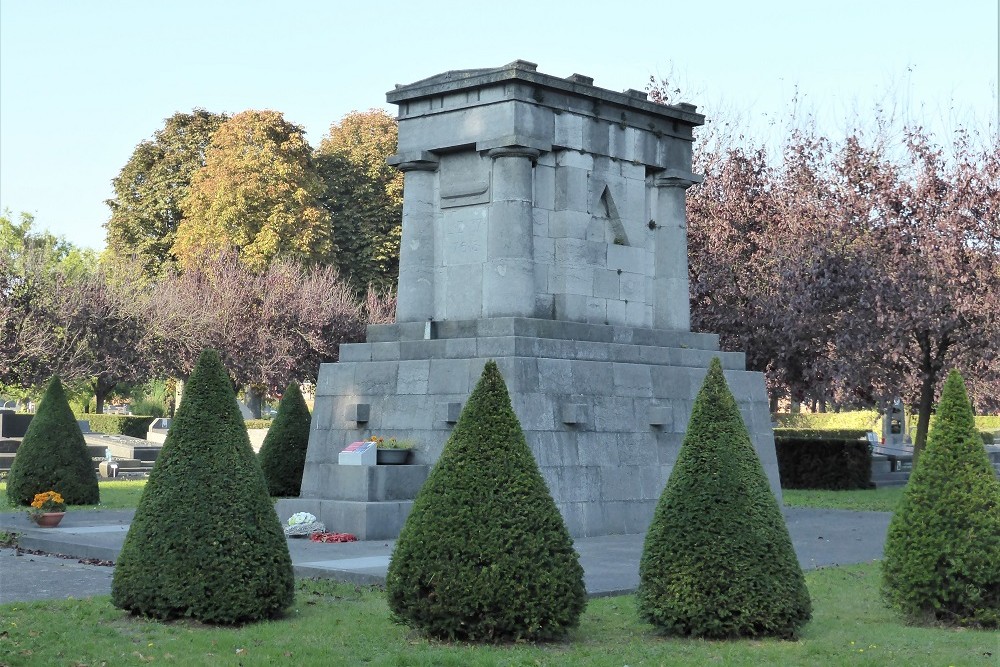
364	197
39	271
258	193
271	327
146	209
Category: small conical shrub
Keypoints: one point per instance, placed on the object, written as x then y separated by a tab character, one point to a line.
942	553
718	561
484	555
53	455
283	455
205	541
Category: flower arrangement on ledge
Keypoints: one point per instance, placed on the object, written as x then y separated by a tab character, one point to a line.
46	503
302	524
391	443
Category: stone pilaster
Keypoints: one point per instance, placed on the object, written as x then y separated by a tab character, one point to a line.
671	300
508	274
415	293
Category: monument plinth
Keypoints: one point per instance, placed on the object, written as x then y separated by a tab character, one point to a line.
544	227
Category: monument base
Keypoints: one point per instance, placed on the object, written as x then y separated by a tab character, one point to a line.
603	408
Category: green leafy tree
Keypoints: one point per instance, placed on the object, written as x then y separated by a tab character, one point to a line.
283	454
718	561
364	197
942	553
146	210
53	455
484	555
206	519
258	193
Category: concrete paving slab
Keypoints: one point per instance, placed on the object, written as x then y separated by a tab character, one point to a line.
821	538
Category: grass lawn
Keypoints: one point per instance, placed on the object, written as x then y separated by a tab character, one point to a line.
873	500
338	624
115	495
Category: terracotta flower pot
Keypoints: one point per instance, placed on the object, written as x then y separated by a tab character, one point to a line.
48	519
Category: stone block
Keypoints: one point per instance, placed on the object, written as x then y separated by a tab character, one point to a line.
606	284
632	380
626	258
545	187
614	413
462	295
508	288
572	189
385	351
660	415
412	376
571	307
545	250
597	310
569	132
574	414
377	378
335	379
448	376
569	224
356	352
358	412
449	412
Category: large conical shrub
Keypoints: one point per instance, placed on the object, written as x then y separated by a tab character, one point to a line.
283	455
53	455
942	553
205	542
485	555
718	561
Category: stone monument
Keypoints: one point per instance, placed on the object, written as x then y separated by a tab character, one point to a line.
544	227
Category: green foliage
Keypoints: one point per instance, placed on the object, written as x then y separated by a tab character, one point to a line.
718	561
205	542
484	555
364	196
283	455
136	426
823	463
258	194
258	423
862	420
53	455
146	210
942	553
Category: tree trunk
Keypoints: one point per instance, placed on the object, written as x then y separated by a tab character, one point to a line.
930	368
101	390
254	400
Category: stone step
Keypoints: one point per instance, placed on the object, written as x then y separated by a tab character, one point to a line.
494	347
364	520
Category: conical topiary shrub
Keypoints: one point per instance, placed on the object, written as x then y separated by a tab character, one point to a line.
283	455
205	542
942	553
53	455
484	555
718	561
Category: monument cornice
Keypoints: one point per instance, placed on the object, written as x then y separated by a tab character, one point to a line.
575	85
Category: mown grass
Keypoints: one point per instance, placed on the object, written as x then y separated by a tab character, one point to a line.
338	624
115	495
861	500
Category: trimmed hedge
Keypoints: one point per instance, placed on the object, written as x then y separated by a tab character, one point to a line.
484	555
283	455
53	455
864	420
823	463
205	542
133	425
718	561
942	553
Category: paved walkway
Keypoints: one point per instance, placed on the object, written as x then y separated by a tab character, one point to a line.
611	562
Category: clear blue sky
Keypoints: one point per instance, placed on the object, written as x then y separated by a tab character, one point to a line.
81	83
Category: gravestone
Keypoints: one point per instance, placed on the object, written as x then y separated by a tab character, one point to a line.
543	227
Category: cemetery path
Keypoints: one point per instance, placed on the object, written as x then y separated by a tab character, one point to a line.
821	538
